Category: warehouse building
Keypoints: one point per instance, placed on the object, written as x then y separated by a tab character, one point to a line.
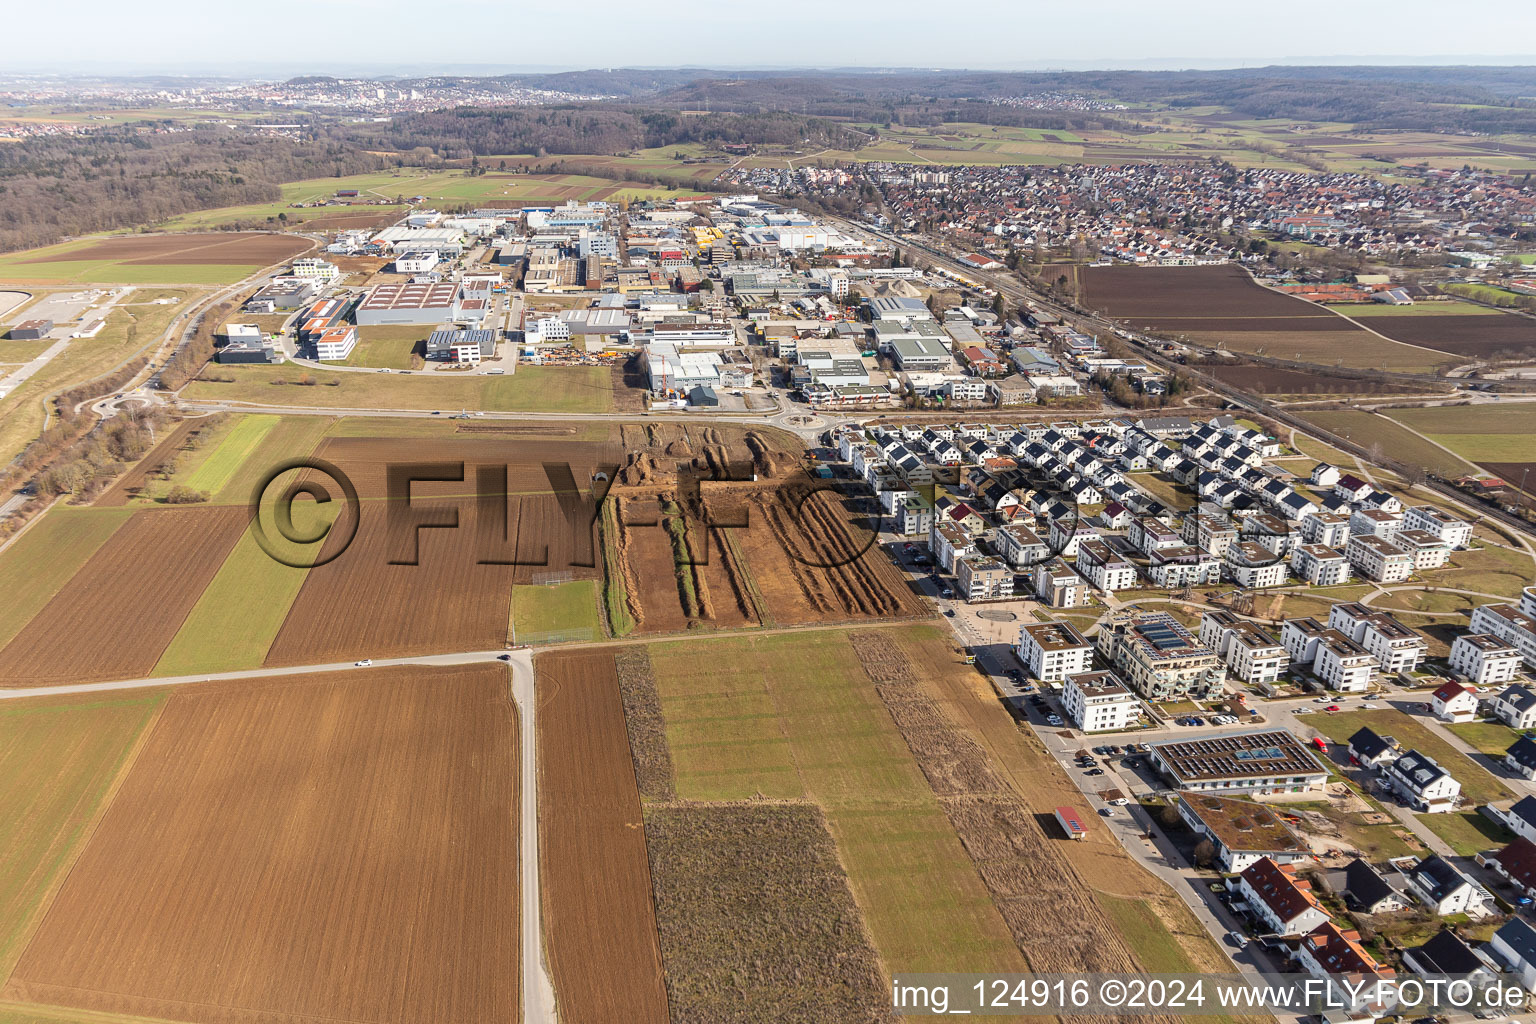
461	346
409	304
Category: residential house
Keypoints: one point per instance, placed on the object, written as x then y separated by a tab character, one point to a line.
1053	651
1099	702
1368	891
1283	903
1426	786
1444	890
1454	702
1368	750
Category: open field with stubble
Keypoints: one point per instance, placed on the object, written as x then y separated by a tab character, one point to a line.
361	865
222	258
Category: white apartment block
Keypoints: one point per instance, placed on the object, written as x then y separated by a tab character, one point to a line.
1254	657
1379	560
1456	533
1342	664
1100	566
1300	638
1254	566
1484	659
1375	522
1058	586
335	344
1319	565
1330	528
1051	651
1099	702
1395	647
1426	550
315	270
1514	626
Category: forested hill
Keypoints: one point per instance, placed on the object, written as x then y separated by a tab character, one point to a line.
57	186
601	129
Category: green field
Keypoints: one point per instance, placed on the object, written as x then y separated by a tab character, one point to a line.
794	716
548	614
575	390
292	437
39	562
1375	309
237	617
1396	442
1476	784
58	759
1147	936
388	346
1489	432
225	460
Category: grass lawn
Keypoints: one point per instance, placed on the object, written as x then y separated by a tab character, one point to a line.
42	560
388	346
564	611
1467	832
238	615
221	465
794	716
58	759
566	389
1428	602
1492	738
1487	570
1476	784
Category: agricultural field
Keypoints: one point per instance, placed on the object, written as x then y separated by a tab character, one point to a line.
319	866
599	921
221	258
390	347
39	563
438	589
1491	433
1222	307
1397	442
1486	334
451	188
60	759
755	916
1276	382
565	389
119	611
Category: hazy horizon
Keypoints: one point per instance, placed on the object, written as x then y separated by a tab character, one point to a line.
385	37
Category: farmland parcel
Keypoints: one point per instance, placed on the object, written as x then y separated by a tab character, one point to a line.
595	882
306	849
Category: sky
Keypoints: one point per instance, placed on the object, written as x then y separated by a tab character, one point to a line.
490	36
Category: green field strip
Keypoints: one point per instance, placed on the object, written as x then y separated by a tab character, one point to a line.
225	460
38	564
237	617
559	612
291	438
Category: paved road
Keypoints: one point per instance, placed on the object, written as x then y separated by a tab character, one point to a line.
538	992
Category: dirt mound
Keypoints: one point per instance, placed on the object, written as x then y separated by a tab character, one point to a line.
770	462
639	469
905	289
679	449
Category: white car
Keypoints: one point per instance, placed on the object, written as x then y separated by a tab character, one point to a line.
1053	719
1369	707
1303	711
362	664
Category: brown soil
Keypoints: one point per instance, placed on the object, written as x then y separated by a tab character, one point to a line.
115	617
190	250
603	951
302	850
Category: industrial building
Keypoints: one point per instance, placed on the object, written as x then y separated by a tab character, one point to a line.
31	330
680	372
461	346
409	304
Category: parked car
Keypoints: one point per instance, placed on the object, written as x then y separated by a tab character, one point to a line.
1053	719
1094	771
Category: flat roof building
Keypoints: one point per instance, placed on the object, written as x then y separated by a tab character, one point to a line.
1269	763
409	304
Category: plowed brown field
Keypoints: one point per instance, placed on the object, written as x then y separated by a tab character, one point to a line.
322	848
115	617
172	250
595	879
